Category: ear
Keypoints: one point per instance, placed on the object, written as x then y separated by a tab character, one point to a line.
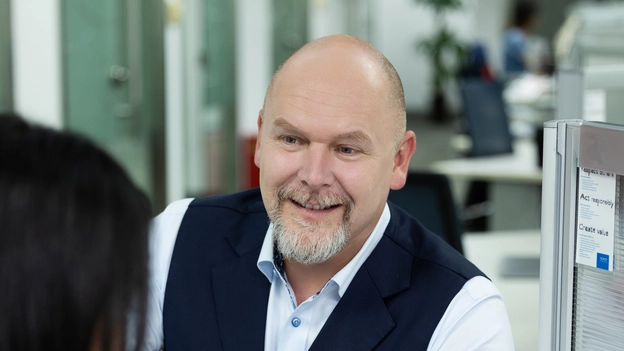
402	159
257	151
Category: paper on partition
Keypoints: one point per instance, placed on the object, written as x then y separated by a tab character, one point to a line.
595	105
595	219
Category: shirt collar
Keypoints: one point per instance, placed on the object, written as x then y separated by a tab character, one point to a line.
345	275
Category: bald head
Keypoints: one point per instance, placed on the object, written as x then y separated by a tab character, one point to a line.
344	53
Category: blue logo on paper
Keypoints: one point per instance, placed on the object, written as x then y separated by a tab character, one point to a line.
602	261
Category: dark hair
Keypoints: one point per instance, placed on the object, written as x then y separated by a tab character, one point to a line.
524	10
73	244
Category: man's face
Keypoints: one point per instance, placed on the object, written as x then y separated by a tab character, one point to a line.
327	158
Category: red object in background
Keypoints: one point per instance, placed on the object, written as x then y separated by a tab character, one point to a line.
486	73
251	175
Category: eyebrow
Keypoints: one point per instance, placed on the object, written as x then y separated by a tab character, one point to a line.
355	135
281	123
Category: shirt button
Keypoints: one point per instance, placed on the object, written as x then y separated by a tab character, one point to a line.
296	322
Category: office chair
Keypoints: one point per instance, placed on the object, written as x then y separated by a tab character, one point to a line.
486	123
428	198
485	116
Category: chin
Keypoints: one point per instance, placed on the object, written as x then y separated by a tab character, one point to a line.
309	244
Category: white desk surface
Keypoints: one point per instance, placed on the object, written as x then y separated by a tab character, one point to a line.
487	250
519	167
535	91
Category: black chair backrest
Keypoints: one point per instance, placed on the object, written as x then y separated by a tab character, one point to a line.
486	117
428	198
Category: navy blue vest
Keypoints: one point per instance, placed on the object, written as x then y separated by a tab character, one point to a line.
216	298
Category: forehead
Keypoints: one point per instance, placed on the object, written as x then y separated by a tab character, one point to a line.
338	88
336	68
327	103
330	83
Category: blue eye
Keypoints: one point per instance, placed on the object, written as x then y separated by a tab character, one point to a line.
290	139
346	150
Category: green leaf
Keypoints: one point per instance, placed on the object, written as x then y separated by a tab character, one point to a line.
442	44
442	5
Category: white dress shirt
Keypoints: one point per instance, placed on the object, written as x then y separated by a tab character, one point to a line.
290	327
476	318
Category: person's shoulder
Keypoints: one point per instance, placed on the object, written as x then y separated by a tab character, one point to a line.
514	35
172	213
427	246
481	288
247	201
412	235
177	206
513	31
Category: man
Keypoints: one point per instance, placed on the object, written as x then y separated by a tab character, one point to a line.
515	38
316	259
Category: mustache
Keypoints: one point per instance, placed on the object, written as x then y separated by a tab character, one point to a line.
303	197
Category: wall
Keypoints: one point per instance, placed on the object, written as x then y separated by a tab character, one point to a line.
399	24
35	34
552	13
253	52
174	103
489	28
395	26
326	17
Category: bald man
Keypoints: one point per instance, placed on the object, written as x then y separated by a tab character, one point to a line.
316	259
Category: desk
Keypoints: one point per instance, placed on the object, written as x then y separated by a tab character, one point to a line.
530	98
521	295
519	167
515	189
530	102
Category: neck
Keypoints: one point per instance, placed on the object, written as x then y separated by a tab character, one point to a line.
307	280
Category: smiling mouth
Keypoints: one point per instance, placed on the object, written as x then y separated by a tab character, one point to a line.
316	207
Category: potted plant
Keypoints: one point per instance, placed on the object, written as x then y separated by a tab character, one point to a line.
445	51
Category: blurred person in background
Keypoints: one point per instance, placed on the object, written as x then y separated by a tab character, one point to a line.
515	39
73	244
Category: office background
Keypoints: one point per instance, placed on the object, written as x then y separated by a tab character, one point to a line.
172	89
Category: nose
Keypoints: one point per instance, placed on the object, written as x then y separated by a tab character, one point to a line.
317	169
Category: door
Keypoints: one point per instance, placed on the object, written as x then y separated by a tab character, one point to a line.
218	96
6	77
113	83
290	23
209	116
